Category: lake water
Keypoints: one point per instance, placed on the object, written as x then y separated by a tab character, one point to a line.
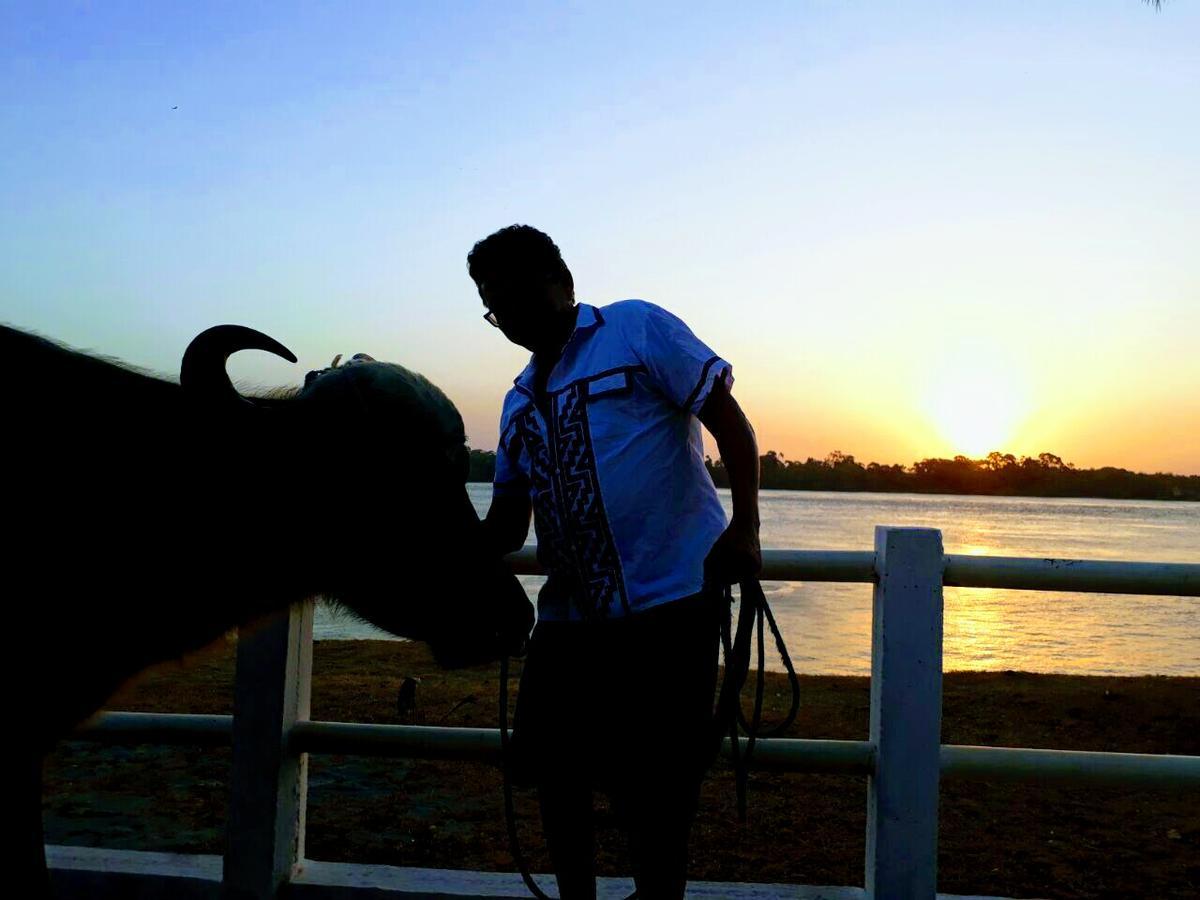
828	626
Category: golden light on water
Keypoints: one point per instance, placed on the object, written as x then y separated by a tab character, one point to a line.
976	399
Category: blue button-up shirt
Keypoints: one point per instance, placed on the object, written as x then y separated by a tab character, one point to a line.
624	509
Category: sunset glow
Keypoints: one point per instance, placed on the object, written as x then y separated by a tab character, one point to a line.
914	231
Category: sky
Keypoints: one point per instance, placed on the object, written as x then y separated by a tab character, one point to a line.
914	229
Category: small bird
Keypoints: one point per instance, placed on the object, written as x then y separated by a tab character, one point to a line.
406	700
174	107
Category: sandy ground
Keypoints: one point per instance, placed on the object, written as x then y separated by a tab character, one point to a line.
1027	840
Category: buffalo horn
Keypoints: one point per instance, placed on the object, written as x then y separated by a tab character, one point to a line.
203	374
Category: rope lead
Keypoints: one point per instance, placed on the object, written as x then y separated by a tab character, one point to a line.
753	613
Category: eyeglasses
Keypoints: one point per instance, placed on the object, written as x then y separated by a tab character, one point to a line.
491	319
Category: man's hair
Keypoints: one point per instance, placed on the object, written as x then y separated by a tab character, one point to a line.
518	251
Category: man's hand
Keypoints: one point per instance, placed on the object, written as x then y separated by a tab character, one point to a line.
735	556
503	630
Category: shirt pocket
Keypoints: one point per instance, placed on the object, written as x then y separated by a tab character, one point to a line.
609	384
612	411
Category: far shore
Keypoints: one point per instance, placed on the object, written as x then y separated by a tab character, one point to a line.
1014	840
995	475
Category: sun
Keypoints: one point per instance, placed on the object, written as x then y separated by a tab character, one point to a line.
976	399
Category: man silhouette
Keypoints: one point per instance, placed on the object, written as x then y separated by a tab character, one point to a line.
600	440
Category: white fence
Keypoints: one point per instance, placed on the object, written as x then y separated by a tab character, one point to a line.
903	758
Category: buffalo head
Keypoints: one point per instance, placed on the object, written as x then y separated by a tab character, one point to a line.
368	461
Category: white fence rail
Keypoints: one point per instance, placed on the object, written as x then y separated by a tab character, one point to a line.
903	759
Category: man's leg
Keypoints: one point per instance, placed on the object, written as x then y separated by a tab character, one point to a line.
566	805
659	819
551	729
672	714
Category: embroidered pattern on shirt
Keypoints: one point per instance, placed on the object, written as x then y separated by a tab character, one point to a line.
582	545
553	551
599	564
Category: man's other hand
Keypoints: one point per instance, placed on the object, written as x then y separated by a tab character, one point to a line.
736	555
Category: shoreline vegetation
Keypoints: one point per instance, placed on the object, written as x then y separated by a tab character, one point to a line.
1006	839
996	475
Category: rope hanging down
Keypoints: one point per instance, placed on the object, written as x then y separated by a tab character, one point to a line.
754	614
510	818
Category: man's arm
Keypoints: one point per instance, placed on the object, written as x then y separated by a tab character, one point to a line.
507	522
737	553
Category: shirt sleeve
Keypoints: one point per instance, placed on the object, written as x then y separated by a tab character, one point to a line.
509	480
682	366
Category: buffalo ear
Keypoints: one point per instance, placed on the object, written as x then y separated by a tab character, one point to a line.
202	373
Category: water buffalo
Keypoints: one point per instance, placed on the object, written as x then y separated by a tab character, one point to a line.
145	518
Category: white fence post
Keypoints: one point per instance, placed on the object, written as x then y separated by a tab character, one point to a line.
906	714
268	784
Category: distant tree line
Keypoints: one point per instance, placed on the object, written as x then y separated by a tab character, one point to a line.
483	465
1044	475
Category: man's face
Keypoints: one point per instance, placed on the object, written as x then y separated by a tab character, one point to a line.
528	309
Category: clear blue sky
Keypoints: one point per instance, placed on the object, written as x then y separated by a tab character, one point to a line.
915	228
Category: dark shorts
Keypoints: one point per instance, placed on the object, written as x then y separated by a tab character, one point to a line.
623	702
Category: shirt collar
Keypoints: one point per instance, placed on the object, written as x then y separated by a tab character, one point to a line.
586	320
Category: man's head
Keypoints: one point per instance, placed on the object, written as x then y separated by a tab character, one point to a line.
525	285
